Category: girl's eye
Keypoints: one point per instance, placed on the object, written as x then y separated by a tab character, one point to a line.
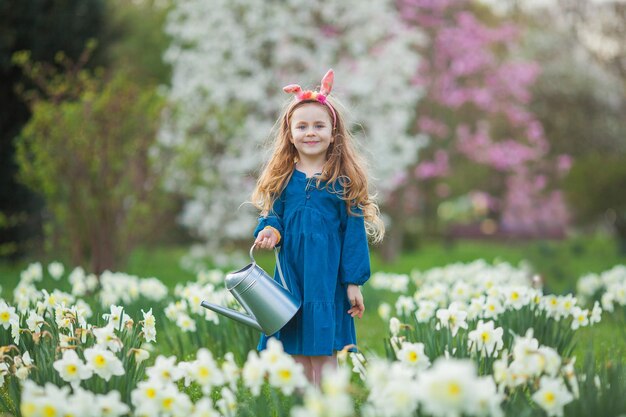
319	126
300	127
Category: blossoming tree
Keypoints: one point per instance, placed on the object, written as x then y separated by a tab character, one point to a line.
230	60
476	112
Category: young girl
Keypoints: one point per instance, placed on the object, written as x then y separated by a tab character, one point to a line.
314	203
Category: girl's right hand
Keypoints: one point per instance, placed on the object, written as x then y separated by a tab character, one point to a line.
266	239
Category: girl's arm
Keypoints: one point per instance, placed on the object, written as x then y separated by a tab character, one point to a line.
269	230
354	265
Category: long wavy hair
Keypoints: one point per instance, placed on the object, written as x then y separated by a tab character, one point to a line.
344	166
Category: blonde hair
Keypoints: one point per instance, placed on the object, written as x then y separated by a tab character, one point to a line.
344	166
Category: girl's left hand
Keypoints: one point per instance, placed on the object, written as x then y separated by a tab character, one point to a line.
356	301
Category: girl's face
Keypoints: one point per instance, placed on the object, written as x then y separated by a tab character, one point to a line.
311	132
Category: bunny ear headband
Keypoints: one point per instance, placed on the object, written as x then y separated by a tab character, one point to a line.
308	95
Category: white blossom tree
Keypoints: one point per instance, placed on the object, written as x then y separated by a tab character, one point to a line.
230	59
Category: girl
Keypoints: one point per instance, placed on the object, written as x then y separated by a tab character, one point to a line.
314	203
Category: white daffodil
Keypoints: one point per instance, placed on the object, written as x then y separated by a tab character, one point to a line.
516	297
7	315
205	371
204	408
228	403
405	306
145	398
413	354
56	269
4	369
485	339
448	388
492	308
425	311
165	370
186	323
34	321
452	317
580	318
141	355
287	375
395	393
552	396
596	313
566	305
174	309
551	360
107	339
103	362
172	402
110	405
486	399
149	326
384	310
32	273
230	370
394	326
23	364
117	318
253	373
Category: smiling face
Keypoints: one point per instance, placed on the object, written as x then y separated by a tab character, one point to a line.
311	132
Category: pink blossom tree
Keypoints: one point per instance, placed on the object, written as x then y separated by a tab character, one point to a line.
476	114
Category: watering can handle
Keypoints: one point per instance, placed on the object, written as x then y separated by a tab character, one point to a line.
280	271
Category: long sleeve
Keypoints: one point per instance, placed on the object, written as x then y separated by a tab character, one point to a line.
354	265
274	219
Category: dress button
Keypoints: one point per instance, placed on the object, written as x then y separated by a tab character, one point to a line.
308	196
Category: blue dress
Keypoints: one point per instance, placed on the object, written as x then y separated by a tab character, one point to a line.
323	249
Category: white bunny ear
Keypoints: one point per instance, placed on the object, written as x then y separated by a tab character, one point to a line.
327	82
292	89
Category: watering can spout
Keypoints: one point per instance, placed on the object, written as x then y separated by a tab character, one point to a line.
232	314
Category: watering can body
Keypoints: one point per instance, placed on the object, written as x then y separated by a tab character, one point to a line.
268	304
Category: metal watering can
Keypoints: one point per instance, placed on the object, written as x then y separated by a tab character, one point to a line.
269	305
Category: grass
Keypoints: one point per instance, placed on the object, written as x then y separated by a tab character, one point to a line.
560	263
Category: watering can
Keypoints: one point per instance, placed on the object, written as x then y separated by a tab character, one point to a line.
268	304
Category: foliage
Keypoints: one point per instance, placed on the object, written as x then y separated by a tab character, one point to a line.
32	25
595	188
86	150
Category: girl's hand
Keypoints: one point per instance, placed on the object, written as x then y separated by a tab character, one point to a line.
356	301
266	239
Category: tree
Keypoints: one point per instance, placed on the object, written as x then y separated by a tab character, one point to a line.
230	60
44	28
86	151
475	111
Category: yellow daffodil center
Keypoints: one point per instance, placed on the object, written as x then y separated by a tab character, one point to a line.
484	336
49	411
204	372
549	397
71	369
5	316
454	389
100	361
514	296
150	393
167	403
412	356
285	374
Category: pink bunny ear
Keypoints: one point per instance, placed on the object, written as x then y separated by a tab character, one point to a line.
327	82
292	89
